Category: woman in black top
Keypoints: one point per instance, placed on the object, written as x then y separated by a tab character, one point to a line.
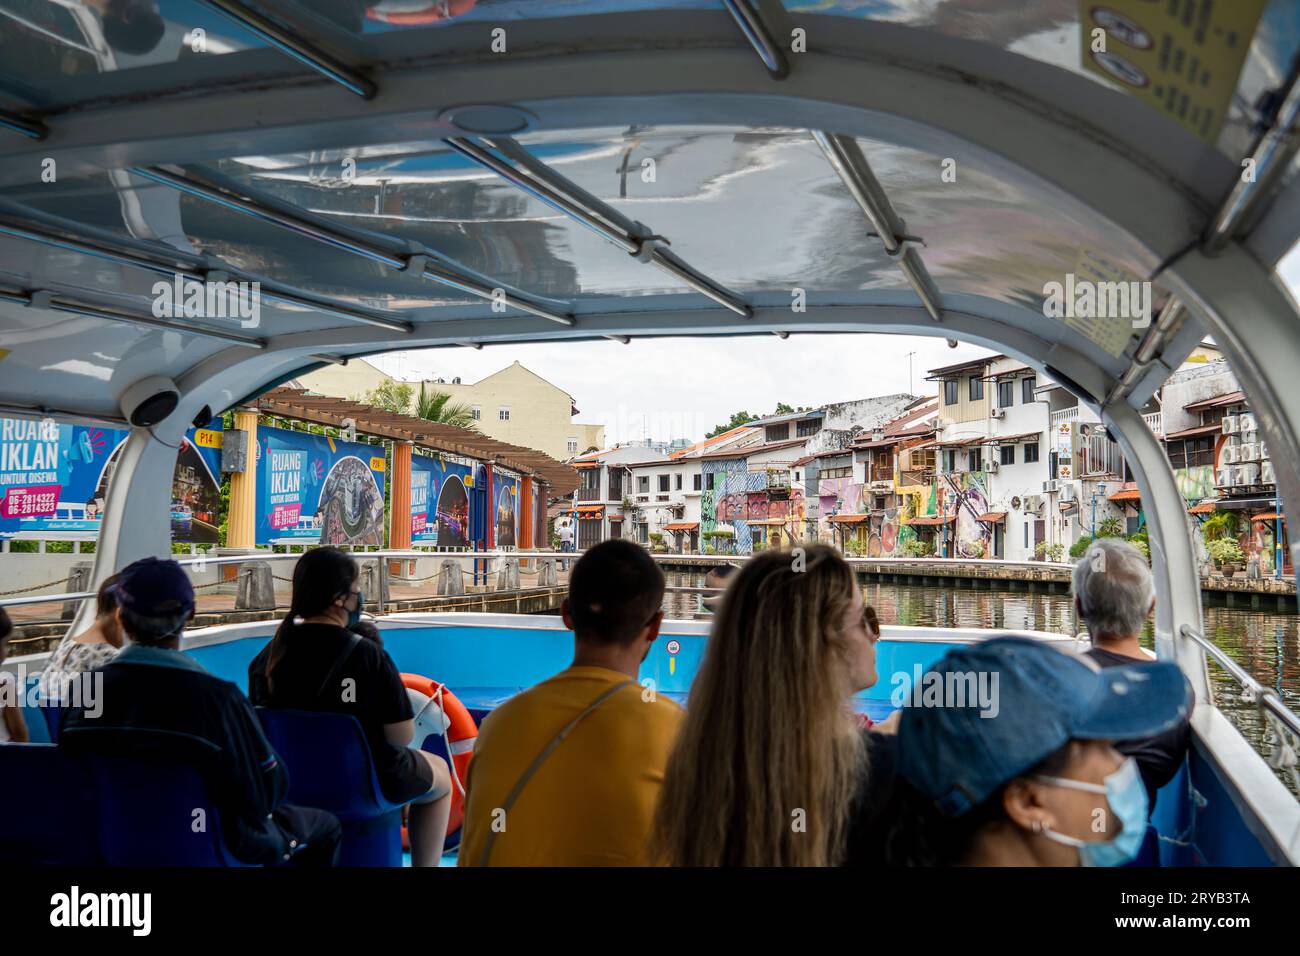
315	663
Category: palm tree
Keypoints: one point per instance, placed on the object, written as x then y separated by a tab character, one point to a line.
438	407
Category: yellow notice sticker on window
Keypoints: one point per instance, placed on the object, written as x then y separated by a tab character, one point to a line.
1183	57
377	463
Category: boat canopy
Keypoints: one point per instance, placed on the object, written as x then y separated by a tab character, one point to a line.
518	172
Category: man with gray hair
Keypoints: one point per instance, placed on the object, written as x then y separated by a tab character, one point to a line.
1114	595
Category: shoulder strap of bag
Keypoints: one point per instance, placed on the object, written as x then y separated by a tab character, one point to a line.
353	641
533	767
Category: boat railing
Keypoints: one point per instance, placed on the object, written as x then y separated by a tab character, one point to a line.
1253	690
203	562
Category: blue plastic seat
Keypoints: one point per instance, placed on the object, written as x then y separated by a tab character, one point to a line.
53	716
330	768
47	809
156	812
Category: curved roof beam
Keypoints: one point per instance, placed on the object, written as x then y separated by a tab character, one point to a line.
637	240
58	302
193	268
1266	165
845	157
344	239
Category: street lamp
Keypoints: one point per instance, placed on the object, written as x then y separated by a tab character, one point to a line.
1100	489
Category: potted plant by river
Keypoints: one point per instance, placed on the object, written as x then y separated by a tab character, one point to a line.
1226	555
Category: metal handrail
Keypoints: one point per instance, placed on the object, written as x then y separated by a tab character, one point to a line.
202	563
1267	697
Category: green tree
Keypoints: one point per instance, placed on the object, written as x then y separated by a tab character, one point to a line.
391	396
783	409
737	419
438	407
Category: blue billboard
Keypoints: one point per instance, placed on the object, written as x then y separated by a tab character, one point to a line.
439	502
312	489
54	480
505	489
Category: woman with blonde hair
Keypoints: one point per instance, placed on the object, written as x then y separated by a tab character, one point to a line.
769	761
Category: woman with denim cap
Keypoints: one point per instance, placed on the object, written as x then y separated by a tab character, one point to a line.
1024	774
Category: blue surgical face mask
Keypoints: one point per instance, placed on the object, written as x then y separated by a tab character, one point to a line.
1127	797
354	615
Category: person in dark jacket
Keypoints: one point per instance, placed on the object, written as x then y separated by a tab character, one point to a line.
1114	595
317	661
151	686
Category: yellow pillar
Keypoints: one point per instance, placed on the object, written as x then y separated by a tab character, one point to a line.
241	523
399	510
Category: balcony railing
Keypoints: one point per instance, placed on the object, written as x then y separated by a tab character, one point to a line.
588	494
1155	421
1065	415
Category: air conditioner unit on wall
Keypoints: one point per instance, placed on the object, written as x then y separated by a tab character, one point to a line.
1266	473
1230	455
1067	492
1246	474
1223	477
1246	421
991	466
998	413
1049	486
1250	452
1230	425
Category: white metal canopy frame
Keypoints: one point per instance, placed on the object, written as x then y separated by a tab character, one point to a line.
382	185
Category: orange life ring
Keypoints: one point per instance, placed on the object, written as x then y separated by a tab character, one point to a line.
434	13
462	732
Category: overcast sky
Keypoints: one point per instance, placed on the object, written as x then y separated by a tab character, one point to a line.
682	388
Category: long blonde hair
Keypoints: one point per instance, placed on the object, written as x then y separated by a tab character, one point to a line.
768	758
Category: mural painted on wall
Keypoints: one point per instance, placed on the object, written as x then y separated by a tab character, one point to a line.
1195	483
966	495
738	497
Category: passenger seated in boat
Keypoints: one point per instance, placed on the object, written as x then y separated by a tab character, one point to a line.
13	728
94	647
1115	595
315	662
567	772
1021	772
152	686
771	760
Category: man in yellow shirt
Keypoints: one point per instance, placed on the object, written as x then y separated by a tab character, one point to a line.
567	773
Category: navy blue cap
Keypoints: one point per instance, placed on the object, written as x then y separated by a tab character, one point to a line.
1021	700
153	587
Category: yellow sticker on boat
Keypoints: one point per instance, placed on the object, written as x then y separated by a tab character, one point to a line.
377	464
207	438
1182	57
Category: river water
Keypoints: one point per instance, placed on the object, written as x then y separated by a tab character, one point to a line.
1265	643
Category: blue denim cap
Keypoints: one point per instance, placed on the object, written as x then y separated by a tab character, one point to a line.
154	587
1044	698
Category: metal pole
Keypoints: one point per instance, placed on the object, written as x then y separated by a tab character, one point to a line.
1277	534
286	41
1094	516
